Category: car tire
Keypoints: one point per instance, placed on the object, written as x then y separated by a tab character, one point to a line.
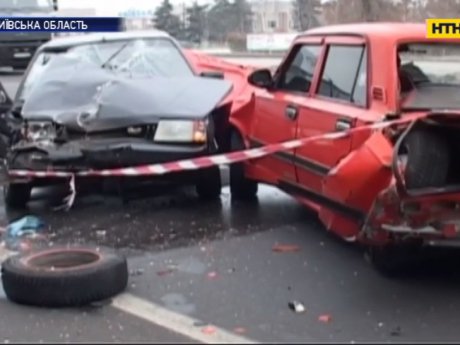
241	187
428	159
81	276
17	195
394	260
209	184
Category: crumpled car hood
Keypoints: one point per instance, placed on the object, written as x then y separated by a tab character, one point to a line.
83	96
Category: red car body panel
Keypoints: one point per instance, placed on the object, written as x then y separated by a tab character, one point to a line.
352	181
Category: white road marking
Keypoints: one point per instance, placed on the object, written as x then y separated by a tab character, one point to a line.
155	314
175	322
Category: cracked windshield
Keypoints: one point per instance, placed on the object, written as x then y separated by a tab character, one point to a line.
229	171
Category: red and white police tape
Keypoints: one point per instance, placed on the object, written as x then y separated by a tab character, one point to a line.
205	161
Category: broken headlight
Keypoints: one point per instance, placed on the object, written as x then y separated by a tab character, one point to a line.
39	131
181	131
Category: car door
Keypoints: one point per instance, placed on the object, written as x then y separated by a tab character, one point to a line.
338	100
277	110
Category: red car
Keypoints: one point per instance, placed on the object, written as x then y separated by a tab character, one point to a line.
394	189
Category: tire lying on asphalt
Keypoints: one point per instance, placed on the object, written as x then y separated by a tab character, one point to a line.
427	165
64	277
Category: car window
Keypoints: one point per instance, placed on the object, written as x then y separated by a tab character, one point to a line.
298	76
345	74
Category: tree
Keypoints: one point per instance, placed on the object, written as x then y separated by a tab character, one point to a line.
195	27
242	13
166	20
304	13
227	17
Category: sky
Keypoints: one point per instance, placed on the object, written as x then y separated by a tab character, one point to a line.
114	7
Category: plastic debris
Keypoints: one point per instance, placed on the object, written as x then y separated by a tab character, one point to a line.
212	275
286	248
325	318
208	330
165	272
137	272
297	307
101	233
23	234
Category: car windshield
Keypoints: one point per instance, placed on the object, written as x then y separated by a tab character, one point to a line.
434	71
140	57
26	5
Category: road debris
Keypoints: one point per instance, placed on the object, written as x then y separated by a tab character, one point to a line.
24	233
166	272
137	272
325	318
212	275
285	248
297	307
208	330
240	330
396	332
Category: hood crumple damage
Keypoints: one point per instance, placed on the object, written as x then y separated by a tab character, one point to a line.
86	97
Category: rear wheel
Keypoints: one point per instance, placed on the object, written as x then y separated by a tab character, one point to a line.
17	195
209	184
241	187
395	260
427	159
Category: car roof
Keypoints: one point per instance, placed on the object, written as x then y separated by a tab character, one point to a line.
394	31
69	41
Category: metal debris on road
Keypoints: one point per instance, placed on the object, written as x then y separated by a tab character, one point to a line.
297	307
285	248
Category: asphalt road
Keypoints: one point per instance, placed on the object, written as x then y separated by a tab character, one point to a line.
213	262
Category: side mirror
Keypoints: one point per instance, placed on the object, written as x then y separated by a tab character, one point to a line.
212	74
261	78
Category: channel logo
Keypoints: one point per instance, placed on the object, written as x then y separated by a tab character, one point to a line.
443	28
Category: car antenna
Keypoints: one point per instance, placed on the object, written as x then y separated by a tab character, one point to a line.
115	54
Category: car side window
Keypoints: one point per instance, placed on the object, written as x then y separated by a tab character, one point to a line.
298	75
344	75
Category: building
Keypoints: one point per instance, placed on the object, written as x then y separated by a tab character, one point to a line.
272	16
276	16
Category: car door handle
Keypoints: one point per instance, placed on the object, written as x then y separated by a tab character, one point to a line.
291	112
342	125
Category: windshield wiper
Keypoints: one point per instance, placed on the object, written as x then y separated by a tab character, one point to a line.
114	55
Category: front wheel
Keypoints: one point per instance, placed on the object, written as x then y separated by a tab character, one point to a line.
209	184
241	187
394	260
17	195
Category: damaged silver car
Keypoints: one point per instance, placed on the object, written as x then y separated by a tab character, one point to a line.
111	101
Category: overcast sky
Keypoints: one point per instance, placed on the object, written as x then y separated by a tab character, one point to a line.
114	7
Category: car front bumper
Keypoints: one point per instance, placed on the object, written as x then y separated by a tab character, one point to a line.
95	154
